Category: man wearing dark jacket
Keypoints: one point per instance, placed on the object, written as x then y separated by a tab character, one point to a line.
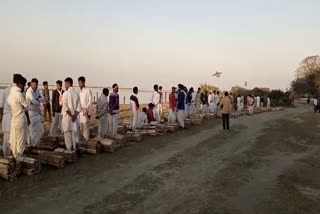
56	109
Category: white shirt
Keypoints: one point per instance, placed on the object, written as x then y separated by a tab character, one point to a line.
155	98
70	102
268	100
86	104
194	97
18	104
35	99
315	102
133	105
238	100
4	101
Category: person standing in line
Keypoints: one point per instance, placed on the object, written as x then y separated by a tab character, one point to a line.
35	99
6	116
239	103
55	128
20	118
232	100
156	101
181	105
186	106
86	108
205	103
46	103
250	104
226	108
258	101
71	108
160	102
172	118
198	101
268	102
211	102
134	108
318	104
193	104
242	102
292	98
102	114
114	107
142	118
190	102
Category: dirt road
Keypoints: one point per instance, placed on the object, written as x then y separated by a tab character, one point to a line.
269	163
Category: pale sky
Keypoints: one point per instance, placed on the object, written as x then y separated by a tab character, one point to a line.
142	42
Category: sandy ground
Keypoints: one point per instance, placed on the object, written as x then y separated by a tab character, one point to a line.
269	163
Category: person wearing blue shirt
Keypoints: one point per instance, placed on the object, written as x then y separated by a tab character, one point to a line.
181	105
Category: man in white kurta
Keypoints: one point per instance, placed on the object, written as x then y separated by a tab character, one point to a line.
102	114
70	110
5	116
86	108
156	101
239	103
258	101
198	101
19	121
35	98
268	102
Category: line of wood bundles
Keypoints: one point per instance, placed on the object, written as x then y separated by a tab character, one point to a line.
108	145
122	129
187	123
29	166
133	137
150	129
196	119
9	168
172	127
69	156
92	146
161	129
49	158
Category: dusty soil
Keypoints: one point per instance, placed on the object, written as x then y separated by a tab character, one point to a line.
269	163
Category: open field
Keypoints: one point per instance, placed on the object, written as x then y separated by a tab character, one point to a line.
266	164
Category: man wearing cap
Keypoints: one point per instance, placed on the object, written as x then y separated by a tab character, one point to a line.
114	107
5	116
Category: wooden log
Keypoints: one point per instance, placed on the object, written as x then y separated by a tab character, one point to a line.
29	163
122	129
92	146
187	123
108	145
119	139
133	137
53	160
9	169
69	156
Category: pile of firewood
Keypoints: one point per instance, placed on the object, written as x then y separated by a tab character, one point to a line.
196	119
119	140
108	145
29	166
122	129
187	123
9	168
171	127
69	156
133	137
161	129
92	146
48	157
149	129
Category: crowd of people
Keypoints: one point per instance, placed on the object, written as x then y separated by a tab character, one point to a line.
71	110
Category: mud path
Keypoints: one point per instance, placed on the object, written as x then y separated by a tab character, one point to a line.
269	163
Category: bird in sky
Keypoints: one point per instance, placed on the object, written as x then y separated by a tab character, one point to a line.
217	74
